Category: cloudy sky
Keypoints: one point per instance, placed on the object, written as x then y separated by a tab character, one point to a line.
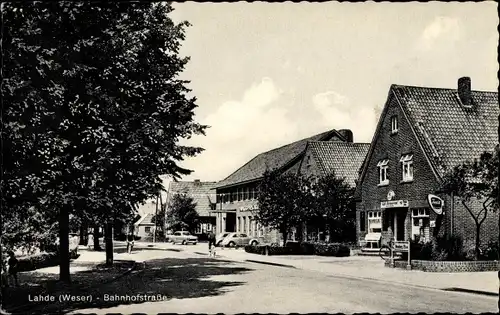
269	74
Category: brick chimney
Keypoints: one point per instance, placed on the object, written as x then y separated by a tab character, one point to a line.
464	91
346	134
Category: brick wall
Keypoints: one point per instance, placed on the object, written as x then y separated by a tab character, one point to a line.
449	266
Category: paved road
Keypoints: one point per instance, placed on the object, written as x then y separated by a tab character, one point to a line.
198	284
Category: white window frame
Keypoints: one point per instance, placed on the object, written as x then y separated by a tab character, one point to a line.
422	213
407	167
374	217
394	124
383	169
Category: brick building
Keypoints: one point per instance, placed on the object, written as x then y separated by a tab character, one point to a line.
237	194
421	133
321	158
203	196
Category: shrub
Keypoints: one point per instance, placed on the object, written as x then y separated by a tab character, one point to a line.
448	248
332	249
490	251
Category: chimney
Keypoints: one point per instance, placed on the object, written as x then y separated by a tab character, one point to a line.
464	91
346	134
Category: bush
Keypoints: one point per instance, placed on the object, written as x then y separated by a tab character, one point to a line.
448	248
332	249
296	248
490	251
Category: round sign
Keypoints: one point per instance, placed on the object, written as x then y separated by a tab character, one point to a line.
436	204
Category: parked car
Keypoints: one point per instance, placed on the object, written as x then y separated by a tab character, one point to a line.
220	237
183	237
238	239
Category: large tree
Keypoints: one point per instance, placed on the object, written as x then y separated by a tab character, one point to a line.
335	205
475	183
284	200
95	108
182	213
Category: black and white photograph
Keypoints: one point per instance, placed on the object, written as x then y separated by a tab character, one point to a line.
249	157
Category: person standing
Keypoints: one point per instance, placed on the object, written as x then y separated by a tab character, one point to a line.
12	264
90	242
211	243
130	242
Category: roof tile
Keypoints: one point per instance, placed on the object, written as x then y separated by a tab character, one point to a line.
201	193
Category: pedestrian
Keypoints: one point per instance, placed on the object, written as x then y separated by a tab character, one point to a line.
12	265
90	242
130	242
211	244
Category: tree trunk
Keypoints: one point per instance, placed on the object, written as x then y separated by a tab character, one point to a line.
97	245
83	234
108	237
478	244
64	274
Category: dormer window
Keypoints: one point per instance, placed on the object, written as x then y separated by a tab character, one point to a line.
394	124
407	167
382	171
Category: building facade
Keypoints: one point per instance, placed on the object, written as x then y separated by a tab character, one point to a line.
204	197
237	194
423	132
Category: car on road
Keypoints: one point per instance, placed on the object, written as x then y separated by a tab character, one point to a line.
220	237
183	237
238	239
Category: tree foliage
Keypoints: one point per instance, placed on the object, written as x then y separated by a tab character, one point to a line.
475	183
95	109
284	200
182	213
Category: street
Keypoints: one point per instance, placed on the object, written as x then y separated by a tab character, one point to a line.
190	282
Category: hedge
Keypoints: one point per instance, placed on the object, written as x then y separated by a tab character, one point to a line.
41	260
295	248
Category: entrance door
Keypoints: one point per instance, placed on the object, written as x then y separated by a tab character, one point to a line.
231	222
399	225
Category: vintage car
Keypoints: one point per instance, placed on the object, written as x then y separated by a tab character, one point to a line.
238	239
220	237
183	237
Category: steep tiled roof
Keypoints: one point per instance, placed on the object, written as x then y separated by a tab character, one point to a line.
344	159
146	220
200	192
270	160
449	132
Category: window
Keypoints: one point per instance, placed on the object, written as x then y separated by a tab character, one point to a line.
374	221
407	167
244	224
382	171
243	235
394	124
245	193
362	221
240	194
147	229
420	224
239	224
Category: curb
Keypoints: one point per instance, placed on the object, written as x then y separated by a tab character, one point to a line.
479	292
19	310
270	263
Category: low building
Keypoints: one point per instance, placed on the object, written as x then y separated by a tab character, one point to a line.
421	133
145	226
204	197
237	194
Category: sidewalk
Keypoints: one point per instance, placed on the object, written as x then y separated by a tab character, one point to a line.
372	268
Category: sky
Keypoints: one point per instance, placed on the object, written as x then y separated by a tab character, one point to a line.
268	74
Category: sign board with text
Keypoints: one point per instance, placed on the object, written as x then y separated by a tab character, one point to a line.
394	204
401	246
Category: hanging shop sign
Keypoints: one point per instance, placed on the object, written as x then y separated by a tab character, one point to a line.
394	204
391	195
436	204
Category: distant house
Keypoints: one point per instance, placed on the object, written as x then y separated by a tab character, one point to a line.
203	196
144	227
237	194
421	133
343	159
